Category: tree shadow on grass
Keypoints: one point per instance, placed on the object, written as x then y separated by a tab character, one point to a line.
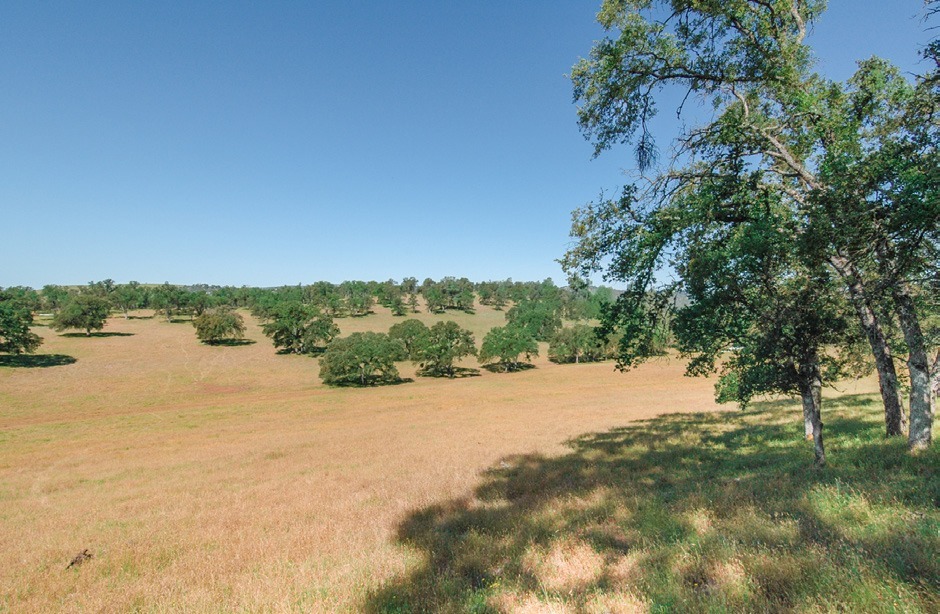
458	373
313	353
230	342
501	367
375	383
688	512
99	335
36	360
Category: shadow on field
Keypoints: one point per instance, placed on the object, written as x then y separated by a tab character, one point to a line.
312	352
99	335
499	367
230	342
35	360
688	512
458	373
373	383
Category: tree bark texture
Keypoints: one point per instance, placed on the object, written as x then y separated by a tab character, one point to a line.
811	395
884	362
920	434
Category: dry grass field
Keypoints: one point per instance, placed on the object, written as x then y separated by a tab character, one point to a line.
219	479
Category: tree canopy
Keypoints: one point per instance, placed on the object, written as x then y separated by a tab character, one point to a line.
445	344
298	328
86	312
15	320
505	344
218	325
845	169
578	343
362	359
414	336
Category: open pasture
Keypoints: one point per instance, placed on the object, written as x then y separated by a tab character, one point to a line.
226	478
218	479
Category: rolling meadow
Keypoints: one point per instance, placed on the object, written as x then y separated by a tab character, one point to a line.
218	479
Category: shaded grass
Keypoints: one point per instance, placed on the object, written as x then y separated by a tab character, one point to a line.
35	360
99	335
458	373
230	342
694	512
372	382
502	367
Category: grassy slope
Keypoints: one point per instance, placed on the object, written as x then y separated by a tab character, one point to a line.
219	479
228	478
696	512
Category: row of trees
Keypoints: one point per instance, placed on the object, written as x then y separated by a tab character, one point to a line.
801	219
350	298
369	358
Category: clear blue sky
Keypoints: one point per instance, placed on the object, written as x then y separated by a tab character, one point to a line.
271	143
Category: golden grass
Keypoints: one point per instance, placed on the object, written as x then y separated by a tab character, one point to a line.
230	479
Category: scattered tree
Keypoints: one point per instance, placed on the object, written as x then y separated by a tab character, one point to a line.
362	359
86	312
126	297
15	320
218	325
539	318
300	329
505	344
578	343
445	344
53	297
414	336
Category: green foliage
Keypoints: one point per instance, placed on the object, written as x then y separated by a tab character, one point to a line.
127	296
494	293
199	302
578	343
86	312
847	169
505	344
445	344
53	297
362	359
449	293
169	300
15	319
299	329
414	335
357	298
101	289
539	318
217	325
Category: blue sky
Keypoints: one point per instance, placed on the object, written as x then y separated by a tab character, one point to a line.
272	143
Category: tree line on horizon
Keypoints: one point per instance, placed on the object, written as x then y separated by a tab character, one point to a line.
299	319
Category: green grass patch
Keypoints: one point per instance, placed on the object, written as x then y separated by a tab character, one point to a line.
697	513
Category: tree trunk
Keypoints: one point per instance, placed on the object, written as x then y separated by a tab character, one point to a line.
934	384
884	362
808	414
811	395
920	433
